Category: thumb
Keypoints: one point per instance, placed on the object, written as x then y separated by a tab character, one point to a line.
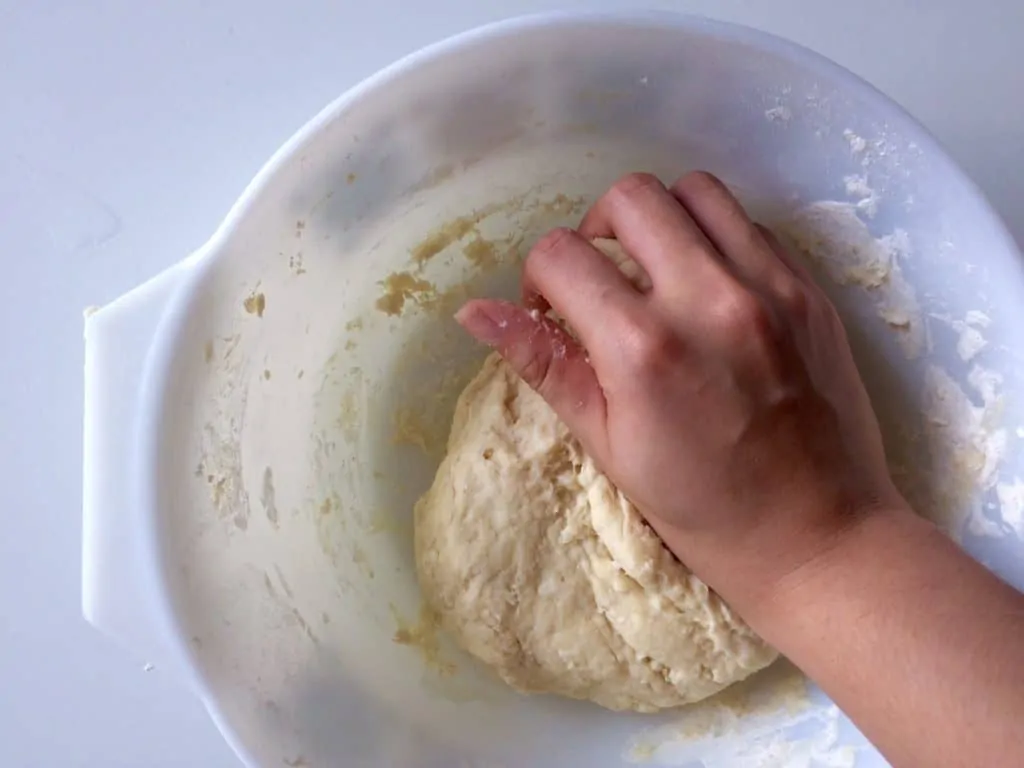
547	358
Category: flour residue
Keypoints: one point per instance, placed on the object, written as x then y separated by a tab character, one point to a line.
857	187
255	303
857	143
820	750
972	338
410	429
965	447
412	288
779	114
834	236
268	498
424	421
402	287
836	239
448	233
220	462
424	636
949	456
771	721
1011	504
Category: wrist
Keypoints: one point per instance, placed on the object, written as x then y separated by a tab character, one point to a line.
829	567
760	571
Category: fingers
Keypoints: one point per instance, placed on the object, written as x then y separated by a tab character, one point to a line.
726	224
583	285
656	231
783	254
803	293
547	358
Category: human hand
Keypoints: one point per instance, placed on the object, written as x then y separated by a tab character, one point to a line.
723	400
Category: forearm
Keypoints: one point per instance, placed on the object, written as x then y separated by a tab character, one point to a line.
921	646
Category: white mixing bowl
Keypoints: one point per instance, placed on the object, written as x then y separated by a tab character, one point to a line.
261	417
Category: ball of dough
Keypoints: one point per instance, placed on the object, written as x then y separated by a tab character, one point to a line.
543	570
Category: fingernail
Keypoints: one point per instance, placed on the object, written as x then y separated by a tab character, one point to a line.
478	320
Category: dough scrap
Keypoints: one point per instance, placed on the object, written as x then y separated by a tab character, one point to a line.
539	567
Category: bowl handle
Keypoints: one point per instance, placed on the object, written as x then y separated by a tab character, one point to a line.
116	584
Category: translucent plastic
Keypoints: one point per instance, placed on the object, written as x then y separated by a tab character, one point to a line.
287	422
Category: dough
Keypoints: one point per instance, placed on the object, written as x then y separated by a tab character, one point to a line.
543	570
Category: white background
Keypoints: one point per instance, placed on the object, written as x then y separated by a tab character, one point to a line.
126	131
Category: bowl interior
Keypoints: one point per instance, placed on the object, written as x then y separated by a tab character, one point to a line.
316	370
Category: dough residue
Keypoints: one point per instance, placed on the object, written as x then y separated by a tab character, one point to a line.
255	303
401	287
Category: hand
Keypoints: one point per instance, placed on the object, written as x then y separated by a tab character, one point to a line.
723	400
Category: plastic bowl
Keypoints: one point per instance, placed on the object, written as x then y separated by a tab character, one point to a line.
248	504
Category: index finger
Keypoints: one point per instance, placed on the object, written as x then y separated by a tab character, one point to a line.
580	283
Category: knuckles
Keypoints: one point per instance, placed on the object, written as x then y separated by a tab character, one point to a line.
735	323
633	186
700	184
794	300
647	345
544	252
735	315
551	241
748	332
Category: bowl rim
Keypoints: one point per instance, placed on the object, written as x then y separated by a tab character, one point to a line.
161	356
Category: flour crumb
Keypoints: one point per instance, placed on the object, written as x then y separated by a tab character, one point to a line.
255	304
970	343
982	525
987	383
966	450
971	340
857	143
779	114
858	188
1011	504
977	318
834	237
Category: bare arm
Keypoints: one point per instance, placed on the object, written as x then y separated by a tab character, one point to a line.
722	398
919	644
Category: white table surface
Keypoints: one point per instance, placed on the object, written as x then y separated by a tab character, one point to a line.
127	130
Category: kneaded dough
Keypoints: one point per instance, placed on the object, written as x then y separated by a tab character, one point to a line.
543	570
